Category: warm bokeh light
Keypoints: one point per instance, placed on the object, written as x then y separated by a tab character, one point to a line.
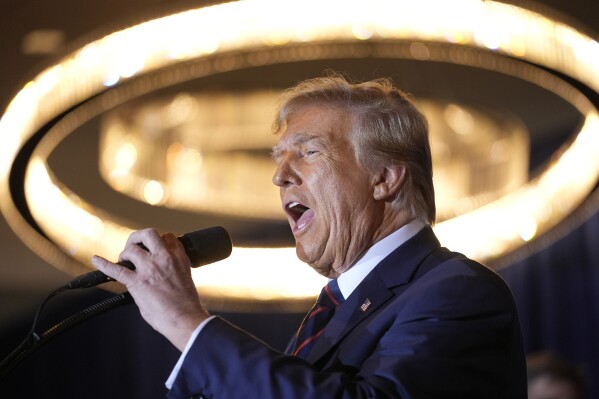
243	32
211	153
154	192
249	273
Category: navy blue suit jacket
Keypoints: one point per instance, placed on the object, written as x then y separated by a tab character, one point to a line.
425	323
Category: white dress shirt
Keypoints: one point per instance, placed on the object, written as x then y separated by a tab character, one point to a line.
347	281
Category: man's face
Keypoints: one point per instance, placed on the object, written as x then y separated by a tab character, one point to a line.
327	196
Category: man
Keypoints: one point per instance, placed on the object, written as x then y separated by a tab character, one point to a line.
553	377
415	321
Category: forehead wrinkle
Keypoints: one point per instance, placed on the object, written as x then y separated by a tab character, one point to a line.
304	137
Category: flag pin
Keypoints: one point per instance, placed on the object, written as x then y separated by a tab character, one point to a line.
364	307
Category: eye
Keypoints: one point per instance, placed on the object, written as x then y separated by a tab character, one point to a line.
309	153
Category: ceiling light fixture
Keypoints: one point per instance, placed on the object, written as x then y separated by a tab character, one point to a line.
196	43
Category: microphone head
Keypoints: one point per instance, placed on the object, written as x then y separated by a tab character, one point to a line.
207	245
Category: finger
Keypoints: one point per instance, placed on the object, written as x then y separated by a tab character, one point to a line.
149	238
117	272
134	254
171	241
176	248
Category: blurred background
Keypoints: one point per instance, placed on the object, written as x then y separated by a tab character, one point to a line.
554	277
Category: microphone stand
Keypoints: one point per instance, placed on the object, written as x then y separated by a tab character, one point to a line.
34	341
201	246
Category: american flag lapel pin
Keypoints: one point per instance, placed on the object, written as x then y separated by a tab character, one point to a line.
364	307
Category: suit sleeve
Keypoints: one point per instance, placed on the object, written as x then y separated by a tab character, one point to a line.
450	335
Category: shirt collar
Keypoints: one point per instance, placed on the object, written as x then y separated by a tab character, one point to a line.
349	280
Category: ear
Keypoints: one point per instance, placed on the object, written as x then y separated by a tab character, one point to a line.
388	182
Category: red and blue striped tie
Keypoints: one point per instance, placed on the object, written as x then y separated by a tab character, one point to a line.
316	320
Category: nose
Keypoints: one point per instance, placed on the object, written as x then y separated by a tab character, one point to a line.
285	175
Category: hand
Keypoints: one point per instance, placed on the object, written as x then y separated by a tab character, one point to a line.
161	284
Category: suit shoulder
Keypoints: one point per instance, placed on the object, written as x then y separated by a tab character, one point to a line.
457	278
449	263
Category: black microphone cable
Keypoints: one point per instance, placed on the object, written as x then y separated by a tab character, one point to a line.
202	247
33	341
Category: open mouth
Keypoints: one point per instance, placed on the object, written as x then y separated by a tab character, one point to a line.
296	210
300	214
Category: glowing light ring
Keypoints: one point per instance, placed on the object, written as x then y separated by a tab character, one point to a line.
487	25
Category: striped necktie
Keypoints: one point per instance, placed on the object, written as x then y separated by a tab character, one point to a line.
316	320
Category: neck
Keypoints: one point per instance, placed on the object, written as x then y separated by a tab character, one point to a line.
393	220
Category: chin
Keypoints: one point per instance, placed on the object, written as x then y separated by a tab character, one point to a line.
325	270
314	258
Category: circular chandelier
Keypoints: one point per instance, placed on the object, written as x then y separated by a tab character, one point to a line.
208	153
66	229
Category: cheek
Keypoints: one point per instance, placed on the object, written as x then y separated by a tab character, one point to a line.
341	199
347	196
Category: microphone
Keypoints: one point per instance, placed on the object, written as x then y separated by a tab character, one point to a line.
202	247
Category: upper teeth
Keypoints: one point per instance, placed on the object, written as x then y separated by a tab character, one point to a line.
292	204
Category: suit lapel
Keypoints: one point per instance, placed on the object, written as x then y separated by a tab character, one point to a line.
371	295
375	290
